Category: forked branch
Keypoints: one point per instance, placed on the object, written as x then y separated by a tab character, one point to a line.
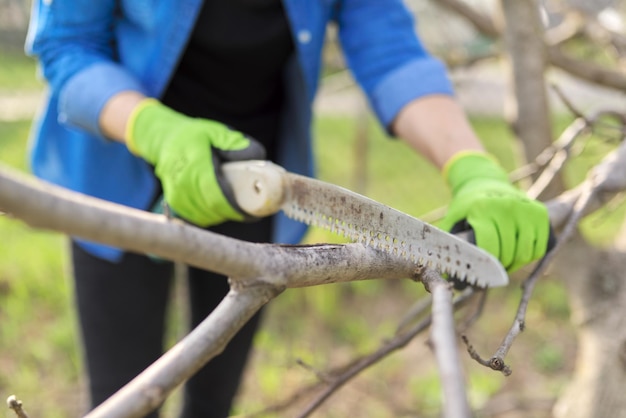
148	390
46	206
260	271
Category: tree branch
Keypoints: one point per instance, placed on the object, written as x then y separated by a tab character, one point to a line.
148	390
340	375
562	151
587	70
608	177
483	23
258	271
566	212
46	206
443	337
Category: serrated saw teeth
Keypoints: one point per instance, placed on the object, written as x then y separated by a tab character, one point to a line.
375	225
380	241
358	218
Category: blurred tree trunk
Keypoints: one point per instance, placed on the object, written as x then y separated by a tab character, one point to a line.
597	294
13	23
528	110
593	278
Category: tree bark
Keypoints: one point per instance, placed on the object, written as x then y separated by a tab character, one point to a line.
528	109
597	294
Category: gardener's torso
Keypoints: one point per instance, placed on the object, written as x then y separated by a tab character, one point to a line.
232	68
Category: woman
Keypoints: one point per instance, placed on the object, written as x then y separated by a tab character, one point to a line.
149	97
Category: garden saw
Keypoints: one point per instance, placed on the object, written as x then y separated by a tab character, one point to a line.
262	188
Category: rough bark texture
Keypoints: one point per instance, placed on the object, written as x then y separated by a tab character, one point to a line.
597	292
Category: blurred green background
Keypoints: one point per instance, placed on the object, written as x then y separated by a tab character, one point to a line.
322	326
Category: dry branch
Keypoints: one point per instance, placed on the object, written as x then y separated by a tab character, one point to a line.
566	211
483	23
443	338
260	271
340	375
586	70
608	178
257	271
148	390
46	206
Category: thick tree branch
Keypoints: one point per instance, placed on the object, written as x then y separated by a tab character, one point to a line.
46	206
148	390
587	70
43	205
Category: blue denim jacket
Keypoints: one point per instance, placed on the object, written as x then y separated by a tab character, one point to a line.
89	50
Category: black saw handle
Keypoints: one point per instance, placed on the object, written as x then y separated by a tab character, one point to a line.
463	230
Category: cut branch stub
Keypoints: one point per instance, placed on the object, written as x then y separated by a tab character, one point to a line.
16	405
498	364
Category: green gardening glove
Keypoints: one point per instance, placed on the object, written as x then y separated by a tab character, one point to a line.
186	153
506	223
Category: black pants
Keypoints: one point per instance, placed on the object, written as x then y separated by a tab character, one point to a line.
122	307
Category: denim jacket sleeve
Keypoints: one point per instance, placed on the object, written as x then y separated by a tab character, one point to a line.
74	42
386	56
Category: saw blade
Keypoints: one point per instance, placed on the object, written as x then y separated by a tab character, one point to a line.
371	223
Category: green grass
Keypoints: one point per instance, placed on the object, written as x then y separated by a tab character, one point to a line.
18	72
13	136
37	331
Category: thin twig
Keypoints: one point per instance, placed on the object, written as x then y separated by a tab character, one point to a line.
321	375
561	154
477	313
492	363
602	178
568	103
362	364
496	362
529	284
597	179
418	309
343	374
520	318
